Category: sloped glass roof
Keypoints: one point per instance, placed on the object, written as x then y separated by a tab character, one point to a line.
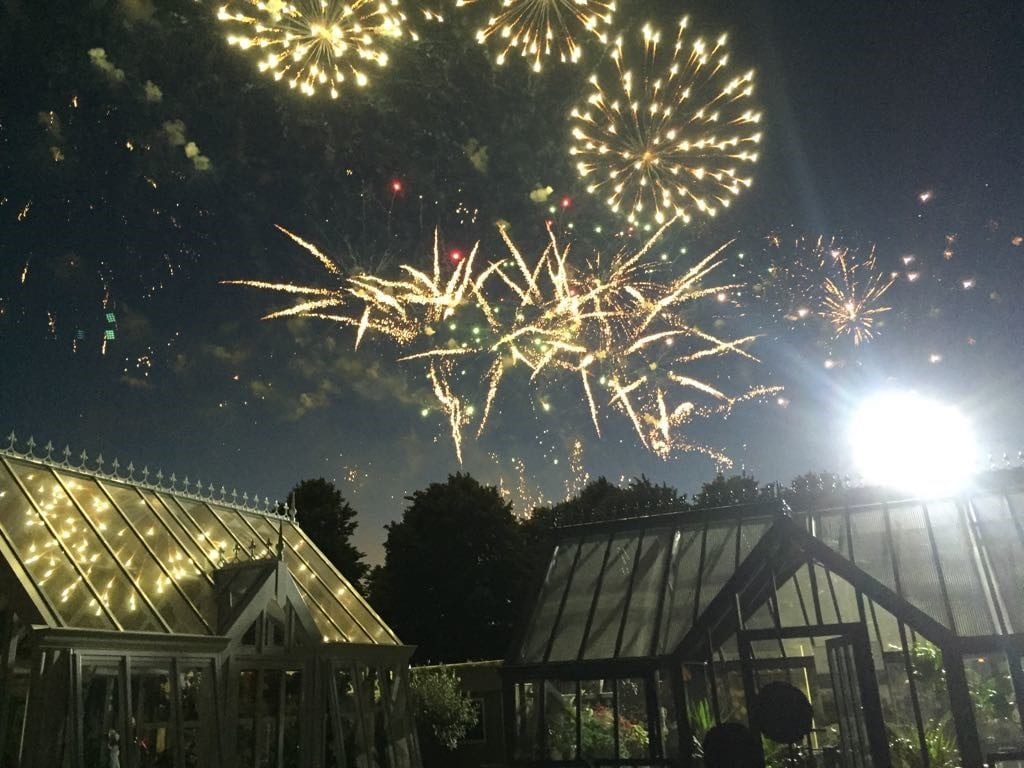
98	553
634	589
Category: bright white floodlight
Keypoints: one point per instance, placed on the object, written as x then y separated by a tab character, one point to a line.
906	441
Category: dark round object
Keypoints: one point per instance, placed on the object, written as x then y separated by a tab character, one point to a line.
732	745
782	713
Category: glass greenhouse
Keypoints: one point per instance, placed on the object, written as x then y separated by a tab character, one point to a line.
902	622
143	627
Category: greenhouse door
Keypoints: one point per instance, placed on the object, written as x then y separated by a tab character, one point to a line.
861	732
840	684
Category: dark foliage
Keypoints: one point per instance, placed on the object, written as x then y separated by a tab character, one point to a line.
455	572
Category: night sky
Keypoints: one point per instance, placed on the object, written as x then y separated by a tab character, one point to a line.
143	161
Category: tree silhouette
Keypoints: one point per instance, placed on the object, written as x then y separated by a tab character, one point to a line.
455	572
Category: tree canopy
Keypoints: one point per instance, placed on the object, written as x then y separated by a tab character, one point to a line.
455	572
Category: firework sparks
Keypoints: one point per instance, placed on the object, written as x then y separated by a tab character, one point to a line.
618	329
542	29
833	281
668	136
313	44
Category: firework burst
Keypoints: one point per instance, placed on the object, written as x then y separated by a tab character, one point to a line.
830	280
669	135
541	29
620	329
313	44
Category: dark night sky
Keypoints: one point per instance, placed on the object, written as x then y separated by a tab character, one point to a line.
868	105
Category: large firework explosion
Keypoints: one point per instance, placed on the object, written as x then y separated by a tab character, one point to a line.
618	329
313	44
541	29
665	134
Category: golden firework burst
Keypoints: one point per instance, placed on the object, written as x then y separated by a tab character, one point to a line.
621	329
669	134
541	29
312	44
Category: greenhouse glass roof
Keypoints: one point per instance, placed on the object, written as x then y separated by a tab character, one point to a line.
99	552
636	588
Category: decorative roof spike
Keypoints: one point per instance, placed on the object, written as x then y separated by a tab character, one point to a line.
67	456
115	467
223	493
11	439
186	483
234	496
160	478
245	500
131	470
31	447
82	458
173	481
145	474
49	450
100	463
210	491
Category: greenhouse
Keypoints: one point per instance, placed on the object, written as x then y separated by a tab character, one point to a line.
900	622
144	626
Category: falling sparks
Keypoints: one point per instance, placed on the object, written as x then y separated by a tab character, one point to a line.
621	333
852	300
541	29
313	44
669	135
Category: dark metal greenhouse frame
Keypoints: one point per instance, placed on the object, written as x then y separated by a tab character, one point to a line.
942	569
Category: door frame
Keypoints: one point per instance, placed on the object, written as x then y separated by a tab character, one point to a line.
856	633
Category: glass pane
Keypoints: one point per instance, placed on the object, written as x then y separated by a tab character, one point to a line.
349	740
175	558
995	704
183	530
535	642
128	548
634	737
569	631
102	716
345	597
648	586
116	591
374	723
245	732
335	622
269	702
919	577
402	734
999	535
611	603
751	532
719	562
199	734
830	528
217	542
527	726
667	714
597	719
872	550
47	564
964	585
682	586
560	719
291	719
150	742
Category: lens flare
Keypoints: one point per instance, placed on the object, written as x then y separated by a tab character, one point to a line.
667	135
906	441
